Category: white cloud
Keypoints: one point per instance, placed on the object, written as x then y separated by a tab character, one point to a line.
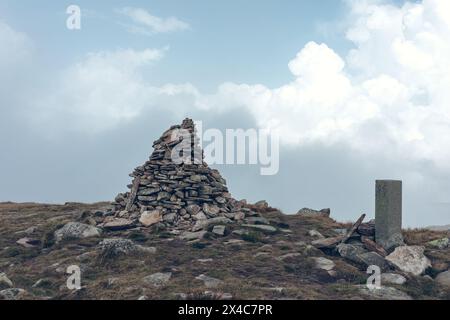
148	24
15	45
100	92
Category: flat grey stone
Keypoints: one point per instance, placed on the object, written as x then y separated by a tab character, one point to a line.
410	259
209	282
259	227
444	279
392	278
384	293
158	279
76	230
5	281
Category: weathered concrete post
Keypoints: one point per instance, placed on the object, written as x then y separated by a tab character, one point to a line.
388	213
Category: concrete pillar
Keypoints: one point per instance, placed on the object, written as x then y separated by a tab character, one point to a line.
388	213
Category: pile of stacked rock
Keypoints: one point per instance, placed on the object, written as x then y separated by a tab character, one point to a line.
175	188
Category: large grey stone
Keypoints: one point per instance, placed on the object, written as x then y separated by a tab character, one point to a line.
209	282
203	224
76	230
392	278
444	279
439	243
118	247
388	213
149	218
383	293
158	279
362	257
189	236
306	212
12	294
324	263
5	281
410	259
261	227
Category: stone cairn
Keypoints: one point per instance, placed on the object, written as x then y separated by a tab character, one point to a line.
184	194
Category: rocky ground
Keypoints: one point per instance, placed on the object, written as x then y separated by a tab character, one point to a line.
273	256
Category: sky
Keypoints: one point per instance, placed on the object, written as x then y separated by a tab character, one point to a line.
356	89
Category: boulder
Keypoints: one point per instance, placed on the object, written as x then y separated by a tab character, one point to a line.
361	257
158	280
262	204
439	243
444	279
28	242
118	224
260	227
5	281
209	282
219	230
315	234
392	278
189	236
118	247
149	218
12	294
76	230
256	220
324	263
203	224
383	293
306	212
410	259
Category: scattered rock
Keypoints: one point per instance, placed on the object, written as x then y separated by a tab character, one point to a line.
288	256
324	263
28	243
158	280
340	231
367	229
219	230
360	256
209	282
410	259
315	234
259	227
384	293
76	230
257	220
5	281
261	204
118	224
149	218
444	279
203	224
439	243
313	213
205	260
117	247
392	278
327	243
42	283
12	294
189	236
